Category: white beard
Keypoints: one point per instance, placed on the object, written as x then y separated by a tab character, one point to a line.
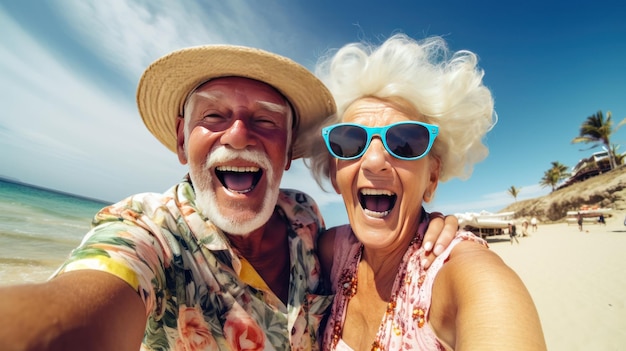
206	199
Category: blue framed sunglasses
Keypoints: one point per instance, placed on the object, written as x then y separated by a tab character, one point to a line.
409	140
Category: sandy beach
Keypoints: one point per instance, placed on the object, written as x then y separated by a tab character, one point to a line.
577	280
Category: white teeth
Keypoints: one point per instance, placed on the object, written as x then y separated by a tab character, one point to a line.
375	214
376	192
237	169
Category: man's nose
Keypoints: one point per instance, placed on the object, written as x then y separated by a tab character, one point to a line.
238	135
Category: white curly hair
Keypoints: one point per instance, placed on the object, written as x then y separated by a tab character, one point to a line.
444	87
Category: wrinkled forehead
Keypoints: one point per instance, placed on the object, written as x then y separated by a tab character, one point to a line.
278	104
396	103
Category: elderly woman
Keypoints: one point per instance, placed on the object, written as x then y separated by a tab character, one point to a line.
410	115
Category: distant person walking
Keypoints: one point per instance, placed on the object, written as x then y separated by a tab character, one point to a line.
533	223
512	233
525	228
601	220
580	221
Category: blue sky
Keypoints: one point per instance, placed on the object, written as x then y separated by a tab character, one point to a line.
69	70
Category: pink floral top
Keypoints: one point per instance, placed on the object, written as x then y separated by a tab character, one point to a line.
405	324
191	280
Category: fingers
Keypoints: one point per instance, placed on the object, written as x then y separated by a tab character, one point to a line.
436	228
434	215
448	233
441	230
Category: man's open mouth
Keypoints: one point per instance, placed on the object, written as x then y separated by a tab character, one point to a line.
377	202
239	179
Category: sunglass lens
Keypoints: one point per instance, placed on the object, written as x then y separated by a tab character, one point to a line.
347	141
408	140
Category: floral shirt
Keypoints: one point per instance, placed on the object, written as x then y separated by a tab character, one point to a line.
405	325
192	282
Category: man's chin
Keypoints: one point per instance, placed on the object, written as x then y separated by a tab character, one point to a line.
241	225
237	220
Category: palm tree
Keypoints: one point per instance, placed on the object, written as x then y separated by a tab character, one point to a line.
560	170
619	158
597	130
514	192
550	179
554	175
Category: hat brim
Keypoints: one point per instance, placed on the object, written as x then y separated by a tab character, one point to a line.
167	82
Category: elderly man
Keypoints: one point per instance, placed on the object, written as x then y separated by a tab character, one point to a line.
223	260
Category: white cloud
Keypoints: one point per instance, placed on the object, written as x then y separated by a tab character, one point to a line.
132	34
60	125
66	131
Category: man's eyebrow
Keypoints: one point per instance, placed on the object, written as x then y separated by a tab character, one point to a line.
272	107
213	96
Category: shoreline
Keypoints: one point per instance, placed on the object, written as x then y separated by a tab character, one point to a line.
55	191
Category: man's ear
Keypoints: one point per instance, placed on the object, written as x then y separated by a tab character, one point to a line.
289	153
180	140
332	170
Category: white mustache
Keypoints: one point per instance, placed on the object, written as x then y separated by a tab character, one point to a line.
222	154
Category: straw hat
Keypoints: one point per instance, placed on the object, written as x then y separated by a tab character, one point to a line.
167	82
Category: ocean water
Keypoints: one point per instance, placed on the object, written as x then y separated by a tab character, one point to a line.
38	229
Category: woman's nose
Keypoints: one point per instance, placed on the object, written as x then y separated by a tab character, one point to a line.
375	157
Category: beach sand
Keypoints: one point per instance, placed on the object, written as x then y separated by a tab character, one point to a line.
577	280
